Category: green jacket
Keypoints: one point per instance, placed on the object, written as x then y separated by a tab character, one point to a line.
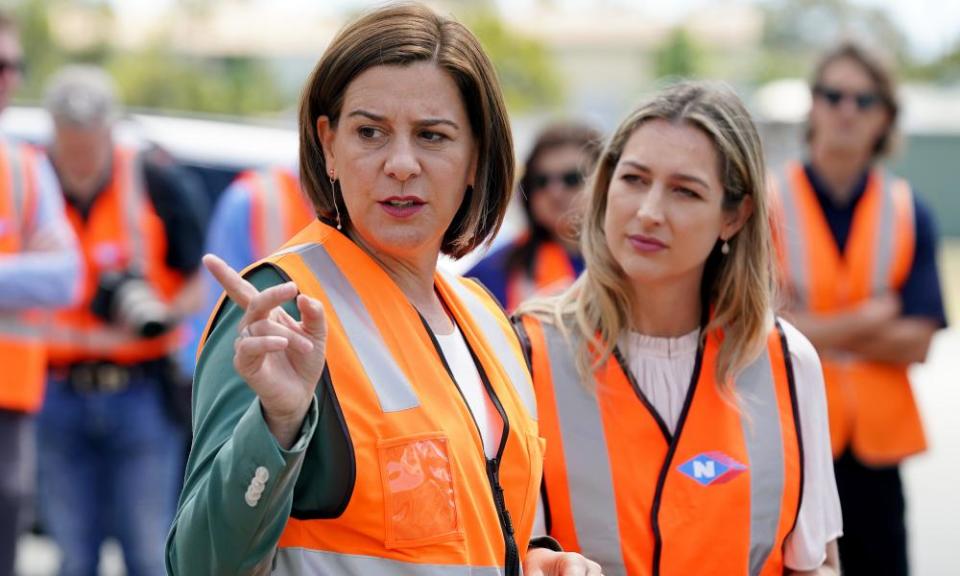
219	527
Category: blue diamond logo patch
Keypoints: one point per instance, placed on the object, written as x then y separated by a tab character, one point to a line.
712	468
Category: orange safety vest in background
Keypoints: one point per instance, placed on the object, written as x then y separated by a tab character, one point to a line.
21	348
871	404
718	496
425	499
122	230
552	273
279	209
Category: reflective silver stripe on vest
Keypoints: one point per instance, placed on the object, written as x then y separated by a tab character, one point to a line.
794	240
273	224
393	389
17	184
760	419
134	203
589	474
303	562
883	243
885	239
517	373
13	328
95	339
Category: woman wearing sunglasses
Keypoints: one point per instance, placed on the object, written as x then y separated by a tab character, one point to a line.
545	259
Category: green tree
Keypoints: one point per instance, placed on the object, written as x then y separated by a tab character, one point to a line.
943	70
156	77
524	65
796	31
159	79
678	56
41	54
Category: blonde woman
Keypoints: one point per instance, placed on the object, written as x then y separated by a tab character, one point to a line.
686	424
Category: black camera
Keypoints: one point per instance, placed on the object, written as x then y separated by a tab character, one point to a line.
127	299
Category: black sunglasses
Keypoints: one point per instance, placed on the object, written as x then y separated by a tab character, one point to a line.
11	66
834	97
570	180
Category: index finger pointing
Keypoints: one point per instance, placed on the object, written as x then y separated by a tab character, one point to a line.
238	289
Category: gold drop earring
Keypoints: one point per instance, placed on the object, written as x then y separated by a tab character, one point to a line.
333	190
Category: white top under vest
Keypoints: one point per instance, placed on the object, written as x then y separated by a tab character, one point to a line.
663	367
460	361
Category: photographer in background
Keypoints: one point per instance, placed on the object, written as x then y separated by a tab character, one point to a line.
110	449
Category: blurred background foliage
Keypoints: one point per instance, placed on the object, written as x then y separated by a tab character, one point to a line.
160	77
528	76
157	75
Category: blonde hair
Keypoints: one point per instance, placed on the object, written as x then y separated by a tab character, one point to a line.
737	286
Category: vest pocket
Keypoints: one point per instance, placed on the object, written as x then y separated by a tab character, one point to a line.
420	500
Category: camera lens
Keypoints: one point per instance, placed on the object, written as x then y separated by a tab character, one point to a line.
137	306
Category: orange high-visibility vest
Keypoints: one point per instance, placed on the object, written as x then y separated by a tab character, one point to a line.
21	348
871	404
122	231
425	499
719	495
552	273
279	209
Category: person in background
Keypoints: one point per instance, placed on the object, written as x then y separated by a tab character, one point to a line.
686	423
858	257
255	215
110	452
358	411
39	270
545	259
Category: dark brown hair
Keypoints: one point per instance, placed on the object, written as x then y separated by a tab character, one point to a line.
554	136
400	35
883	80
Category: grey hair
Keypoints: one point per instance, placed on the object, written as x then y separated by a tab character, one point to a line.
83	96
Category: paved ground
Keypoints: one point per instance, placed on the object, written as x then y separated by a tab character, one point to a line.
40	557
933	502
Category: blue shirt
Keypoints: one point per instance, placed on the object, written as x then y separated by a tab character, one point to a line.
46	274
920	295
229	238
492	271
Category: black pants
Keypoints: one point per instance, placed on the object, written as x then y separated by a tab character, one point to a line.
17	482
874	534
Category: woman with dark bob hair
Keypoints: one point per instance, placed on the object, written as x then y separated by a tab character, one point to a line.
355	410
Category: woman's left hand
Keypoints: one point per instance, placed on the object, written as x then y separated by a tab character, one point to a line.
546	562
